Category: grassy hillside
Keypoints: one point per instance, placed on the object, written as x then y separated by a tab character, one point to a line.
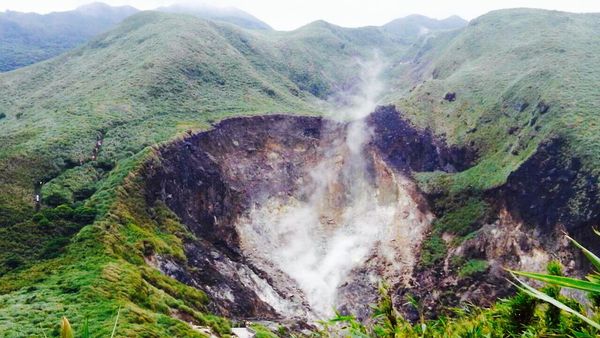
155	76
519	76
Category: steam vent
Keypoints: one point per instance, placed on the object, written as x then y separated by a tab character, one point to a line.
295	216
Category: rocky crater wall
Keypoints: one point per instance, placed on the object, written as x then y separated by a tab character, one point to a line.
220	182
212	181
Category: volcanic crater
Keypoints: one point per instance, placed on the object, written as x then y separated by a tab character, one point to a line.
290	219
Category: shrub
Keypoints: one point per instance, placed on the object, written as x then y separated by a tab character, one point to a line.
590	284
84	193
521	311
473	267
2	115
37	217
462	221
433	251
105	164
84	215
594	298
64	211
44	222
457	261
552	315
54	247
262	332
56	197
13	262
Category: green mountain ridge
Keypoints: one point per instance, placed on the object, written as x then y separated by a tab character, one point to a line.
414	26
541	84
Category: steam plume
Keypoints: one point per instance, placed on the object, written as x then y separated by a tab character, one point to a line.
317	241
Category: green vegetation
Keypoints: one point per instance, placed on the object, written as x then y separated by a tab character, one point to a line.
461	217
552	317
262	332
101	269
464	219
551	293
157	77
43	237
472	268
514	87
66	330
76	184
153	79
433	251
519	316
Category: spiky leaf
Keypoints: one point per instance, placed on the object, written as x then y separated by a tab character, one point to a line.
542	296
66	331
567	282
595	260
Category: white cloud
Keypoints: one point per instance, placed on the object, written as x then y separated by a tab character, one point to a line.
290	14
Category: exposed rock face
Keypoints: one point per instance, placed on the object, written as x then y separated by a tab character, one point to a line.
246	190
210	179
546	196
219	182
408	149
550	188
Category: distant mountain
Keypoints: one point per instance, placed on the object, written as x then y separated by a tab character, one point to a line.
414	26
27	38
225	14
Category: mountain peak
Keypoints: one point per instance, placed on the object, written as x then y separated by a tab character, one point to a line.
231	15
415	25
100	8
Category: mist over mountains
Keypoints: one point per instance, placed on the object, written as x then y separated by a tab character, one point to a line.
27	38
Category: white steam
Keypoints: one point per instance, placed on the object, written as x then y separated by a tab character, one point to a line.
361	99
319	240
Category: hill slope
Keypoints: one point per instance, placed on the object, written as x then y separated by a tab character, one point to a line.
517	88
519	76
156	68
27	38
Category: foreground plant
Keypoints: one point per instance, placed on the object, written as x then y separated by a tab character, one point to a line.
385	321
523	315
591	285
66	330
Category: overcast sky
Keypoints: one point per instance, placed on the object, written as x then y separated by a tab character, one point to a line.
291	14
